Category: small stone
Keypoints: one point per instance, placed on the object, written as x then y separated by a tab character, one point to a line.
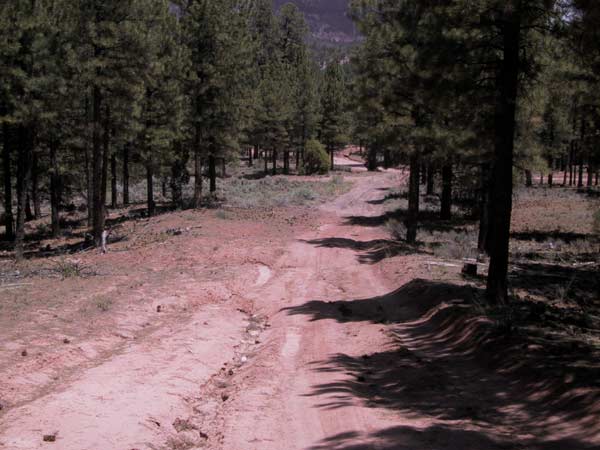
244	359
158	308
24	353
224	397
50	438
66	341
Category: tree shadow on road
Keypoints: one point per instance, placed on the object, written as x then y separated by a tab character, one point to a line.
372	252
472	378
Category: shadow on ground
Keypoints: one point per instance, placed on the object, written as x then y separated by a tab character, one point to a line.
468	377
74	228
372	252
428	220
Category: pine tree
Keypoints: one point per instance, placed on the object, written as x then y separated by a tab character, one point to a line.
334	114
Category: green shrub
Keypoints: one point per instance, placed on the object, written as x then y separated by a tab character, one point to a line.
316	159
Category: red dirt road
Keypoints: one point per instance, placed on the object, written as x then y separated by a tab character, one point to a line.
314	348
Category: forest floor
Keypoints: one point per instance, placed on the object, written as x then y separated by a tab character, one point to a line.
304	325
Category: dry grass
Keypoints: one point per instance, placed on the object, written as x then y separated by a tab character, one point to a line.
280	192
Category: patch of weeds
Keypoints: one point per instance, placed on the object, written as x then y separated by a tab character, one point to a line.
456	245
104	304
396	229
563	291
278	191
182	442
71	268
304	193
42	229
337	179
223	215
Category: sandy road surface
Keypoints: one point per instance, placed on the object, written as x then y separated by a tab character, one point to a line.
280	406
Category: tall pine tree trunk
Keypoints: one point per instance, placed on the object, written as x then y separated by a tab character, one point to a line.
177	175
571	161
250	157
197	170
446	207
331	154
150	189
286	162
9	220
54	190
113	181
430	179
274	154
507	82
212	172
386	158
89	180
372	158
35	186
25	150
528	178
265	160
97	167
484	209
412	220
105	161
126	174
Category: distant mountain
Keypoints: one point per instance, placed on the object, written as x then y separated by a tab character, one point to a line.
328	20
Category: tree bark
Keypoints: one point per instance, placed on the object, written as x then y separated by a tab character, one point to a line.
212	171
430	179
332	158
25	151
507	82
126	174
274	161
286	162
9	220
250	155
412	220
266	160
105	161
386	158
113	180
571	160
35	186
54	190
197	170
150	189
528	178
484	209
89	178
372	158
97	167
28	211
446	206
177	175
